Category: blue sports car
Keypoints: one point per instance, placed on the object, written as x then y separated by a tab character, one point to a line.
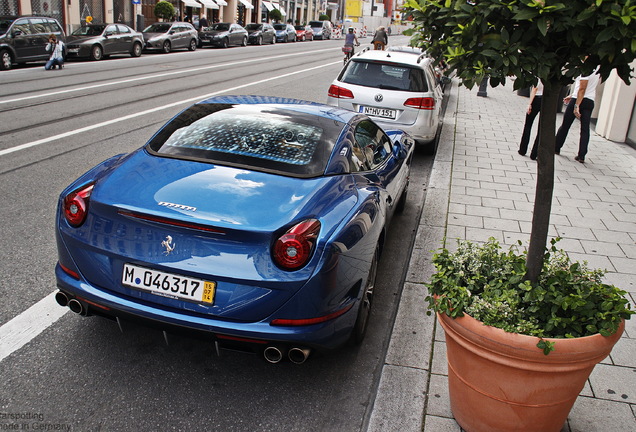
258	221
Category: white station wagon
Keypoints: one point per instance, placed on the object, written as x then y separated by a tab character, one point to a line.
399	90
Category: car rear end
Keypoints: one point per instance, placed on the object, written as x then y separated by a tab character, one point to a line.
395	89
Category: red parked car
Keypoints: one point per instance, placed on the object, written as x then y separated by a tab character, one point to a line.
304	33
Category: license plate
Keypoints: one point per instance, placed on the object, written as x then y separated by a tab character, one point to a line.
378	112
73	50
168	284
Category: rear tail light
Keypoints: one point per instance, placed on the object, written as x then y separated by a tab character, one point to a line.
76	205
294	248
339	92
426	103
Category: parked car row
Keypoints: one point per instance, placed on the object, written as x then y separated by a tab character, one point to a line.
23	39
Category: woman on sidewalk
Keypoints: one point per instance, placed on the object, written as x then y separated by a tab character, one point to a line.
533	109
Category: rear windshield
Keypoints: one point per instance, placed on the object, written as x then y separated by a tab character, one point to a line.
384	75
280	26
315	23
254	26
267	138
220	27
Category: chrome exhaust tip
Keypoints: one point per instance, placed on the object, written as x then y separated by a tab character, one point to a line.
273	354
299	355
76	306
61	299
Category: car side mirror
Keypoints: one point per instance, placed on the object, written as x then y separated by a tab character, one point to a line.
16	33
171	32
108	34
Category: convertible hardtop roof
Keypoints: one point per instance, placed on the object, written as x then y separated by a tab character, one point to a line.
322	110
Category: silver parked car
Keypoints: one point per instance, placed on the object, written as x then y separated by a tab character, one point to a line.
398	90
168	36
96	41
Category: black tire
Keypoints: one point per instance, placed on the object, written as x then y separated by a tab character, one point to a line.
259	40
225	43
136	50
97	53
244	43
366	301
166	47
273	40
6	61
193	45
286	38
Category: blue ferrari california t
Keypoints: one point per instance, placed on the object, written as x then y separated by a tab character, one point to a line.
258	221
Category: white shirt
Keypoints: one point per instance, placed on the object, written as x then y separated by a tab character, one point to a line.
57	49
590	90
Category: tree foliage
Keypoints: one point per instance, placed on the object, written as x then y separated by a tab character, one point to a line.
164	9
528	39
552	41
275	15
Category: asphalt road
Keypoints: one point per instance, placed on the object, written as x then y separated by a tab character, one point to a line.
83	374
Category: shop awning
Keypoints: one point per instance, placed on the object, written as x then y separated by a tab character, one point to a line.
277	6
221	2
247	4
191	3
268	6
209	4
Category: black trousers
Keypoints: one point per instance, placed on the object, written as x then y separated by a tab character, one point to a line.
527	129
585	108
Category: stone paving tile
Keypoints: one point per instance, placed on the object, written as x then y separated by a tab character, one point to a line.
602	248
624	354
614	383
438	398
440	424
595	415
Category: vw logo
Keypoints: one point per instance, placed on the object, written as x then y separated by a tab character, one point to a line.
378	98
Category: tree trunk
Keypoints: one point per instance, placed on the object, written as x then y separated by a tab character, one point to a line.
545	182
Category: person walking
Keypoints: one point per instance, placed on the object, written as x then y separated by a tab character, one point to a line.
203	22
57	53
380	38
580	104
534	106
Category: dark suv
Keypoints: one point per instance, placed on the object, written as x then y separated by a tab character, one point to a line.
23	39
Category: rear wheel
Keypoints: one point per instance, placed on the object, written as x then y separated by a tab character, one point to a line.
364	311
6	61
136	50
193	45
97	53
166	48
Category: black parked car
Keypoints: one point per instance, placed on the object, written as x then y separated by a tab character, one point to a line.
96	41
223	35
167	36
285	33
23	39
259	34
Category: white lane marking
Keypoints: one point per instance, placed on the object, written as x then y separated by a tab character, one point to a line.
30	323
152	110
33	321
149	77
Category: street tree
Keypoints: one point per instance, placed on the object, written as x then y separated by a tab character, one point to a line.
164	9
531	40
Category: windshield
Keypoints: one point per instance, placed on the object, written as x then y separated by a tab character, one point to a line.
5	23
158	28
280	26
220	27
299	27
261	137
253	27
89	31
384	75
315	23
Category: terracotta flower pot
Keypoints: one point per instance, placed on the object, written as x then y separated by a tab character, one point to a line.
501	381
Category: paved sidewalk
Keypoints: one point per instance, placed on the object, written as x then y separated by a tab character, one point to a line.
481	187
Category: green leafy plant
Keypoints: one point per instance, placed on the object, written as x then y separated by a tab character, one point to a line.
275	15
164	9
569	299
